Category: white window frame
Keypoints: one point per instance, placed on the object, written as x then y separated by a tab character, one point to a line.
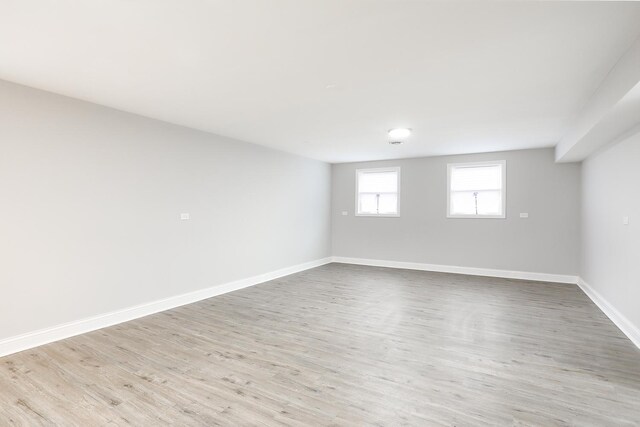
503	164
390	169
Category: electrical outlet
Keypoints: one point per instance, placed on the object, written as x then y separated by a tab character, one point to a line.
625	220
524	215
185	216
345	213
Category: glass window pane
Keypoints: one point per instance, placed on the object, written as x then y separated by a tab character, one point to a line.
463	203
378	192
378	182
469	178
388	204
488	202
367	203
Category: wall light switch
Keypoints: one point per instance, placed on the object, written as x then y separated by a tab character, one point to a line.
345	213
184	216
524	215
625	220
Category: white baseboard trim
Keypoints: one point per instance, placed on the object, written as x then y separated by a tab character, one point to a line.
624	324
473	271
44	336
66	330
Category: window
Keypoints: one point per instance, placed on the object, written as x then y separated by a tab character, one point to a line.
476	190
378	192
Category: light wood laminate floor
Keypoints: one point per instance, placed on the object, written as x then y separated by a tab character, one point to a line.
342	345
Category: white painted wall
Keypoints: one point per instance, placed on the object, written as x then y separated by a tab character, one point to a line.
91	197
90	203
610	261
546	242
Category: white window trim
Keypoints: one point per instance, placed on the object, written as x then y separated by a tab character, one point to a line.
503	163
391	169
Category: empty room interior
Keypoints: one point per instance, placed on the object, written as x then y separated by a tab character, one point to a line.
319	213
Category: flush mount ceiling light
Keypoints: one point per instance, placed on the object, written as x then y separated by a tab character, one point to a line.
399	133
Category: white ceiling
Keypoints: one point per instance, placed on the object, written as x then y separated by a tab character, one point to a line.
327	78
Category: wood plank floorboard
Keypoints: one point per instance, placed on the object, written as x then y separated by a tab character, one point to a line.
342	345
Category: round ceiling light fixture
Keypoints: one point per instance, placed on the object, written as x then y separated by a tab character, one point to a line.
399	133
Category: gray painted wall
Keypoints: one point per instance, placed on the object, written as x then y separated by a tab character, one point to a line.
610	261
546	242
91	197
